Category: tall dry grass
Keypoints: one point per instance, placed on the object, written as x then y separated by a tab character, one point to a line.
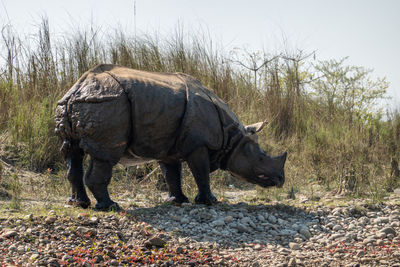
331	140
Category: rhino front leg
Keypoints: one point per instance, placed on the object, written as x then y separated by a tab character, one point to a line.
173	176
97	178
199	164
75	177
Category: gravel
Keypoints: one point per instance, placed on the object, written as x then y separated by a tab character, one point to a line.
218	235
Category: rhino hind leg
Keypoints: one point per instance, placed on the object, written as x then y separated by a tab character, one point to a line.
75	177
199	164
97	178
173	176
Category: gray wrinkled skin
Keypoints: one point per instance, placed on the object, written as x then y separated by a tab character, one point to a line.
116	114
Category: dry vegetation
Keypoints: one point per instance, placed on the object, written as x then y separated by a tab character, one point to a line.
322	112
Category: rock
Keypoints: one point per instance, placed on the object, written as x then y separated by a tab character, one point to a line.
380	220
294	246
184	220
257	247
241	228
52	262
12	248
50	219
219	222
336	236
180	250
369	240
34	257
305	232
21	249
381	235
388	230
82	216
114	262
272	218
337	227
228	219
292	262
98	259
380	242
94	220
9	234
86	231
260	218
157	241
67	258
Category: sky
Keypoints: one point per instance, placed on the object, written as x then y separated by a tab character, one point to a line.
366	31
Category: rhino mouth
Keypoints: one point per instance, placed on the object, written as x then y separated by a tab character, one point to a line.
263	180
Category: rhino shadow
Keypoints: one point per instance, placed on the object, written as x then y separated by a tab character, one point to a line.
232	225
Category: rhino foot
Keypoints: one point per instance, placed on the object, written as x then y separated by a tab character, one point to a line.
207	199
112	206
178	200
79	203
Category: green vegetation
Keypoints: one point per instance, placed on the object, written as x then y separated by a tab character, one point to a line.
324	113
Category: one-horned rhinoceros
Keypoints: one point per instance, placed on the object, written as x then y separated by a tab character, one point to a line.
116	114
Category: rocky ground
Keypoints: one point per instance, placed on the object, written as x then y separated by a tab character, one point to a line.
228	234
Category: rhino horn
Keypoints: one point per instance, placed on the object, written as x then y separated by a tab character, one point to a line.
254	128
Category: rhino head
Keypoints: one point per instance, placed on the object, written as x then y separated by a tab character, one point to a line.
249	162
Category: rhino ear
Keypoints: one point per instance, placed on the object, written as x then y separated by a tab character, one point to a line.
254	128
282	159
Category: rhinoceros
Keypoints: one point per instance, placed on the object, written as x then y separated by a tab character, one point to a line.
117	114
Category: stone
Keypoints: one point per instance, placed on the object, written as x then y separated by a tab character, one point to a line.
381	220
228	219
34	257
294	246
337	227
184	220
94	220
292	262
98	259
114	262
219	222
305	232
67	258
369	241
50	219
9	234
12	248
241	228
388	230
272	218
157	241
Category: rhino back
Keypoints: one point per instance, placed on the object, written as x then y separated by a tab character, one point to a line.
158	103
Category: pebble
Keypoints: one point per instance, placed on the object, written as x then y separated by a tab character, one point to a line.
305	232
388	230
50	219
157	241
235	235
9	234
294	246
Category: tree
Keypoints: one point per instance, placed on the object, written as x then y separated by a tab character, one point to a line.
348	89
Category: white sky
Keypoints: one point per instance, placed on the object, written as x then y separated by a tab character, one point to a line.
367	31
